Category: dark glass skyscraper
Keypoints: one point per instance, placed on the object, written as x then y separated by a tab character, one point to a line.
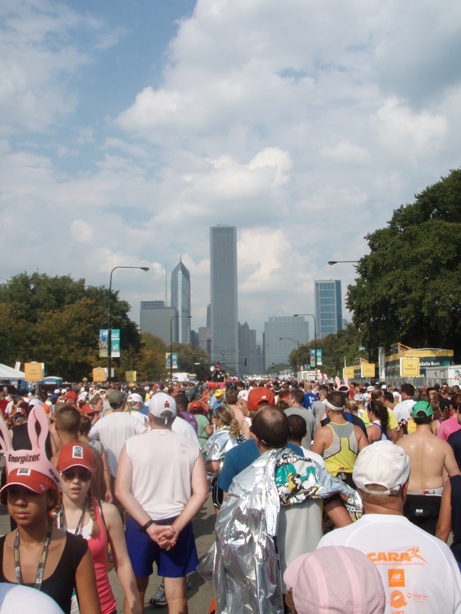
328	307
224	305
180	299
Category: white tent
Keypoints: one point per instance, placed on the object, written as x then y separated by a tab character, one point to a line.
10	373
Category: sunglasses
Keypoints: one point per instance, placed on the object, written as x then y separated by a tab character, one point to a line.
82	474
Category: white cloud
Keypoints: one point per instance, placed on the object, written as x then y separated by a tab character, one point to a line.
303	123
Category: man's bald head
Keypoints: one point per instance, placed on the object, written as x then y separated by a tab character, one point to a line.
270	425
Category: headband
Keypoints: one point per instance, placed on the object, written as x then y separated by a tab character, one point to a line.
333	407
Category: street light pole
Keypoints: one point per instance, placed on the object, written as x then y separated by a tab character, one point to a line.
177	316
109	316
315	333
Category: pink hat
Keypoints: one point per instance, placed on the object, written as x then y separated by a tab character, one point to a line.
30	468
335	580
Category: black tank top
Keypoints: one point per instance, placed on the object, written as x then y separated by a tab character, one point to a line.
60	584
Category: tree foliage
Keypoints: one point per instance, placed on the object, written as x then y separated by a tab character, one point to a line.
56	320
408	287
338	349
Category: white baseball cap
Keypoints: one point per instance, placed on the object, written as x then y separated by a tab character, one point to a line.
382	464
161	402
135	398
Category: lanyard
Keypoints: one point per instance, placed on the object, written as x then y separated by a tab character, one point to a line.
80	522
41	564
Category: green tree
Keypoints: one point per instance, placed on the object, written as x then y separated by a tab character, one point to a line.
408	287
56	320
188	355
149	362
342	347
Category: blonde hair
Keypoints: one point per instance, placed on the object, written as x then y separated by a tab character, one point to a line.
226	415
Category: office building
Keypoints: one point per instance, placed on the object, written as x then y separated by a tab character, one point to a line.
180	300
159	320
282	335
224	305
248	351
328	307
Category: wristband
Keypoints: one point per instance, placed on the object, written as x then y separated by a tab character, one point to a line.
148	524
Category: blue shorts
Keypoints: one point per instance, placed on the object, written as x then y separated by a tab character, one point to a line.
181	560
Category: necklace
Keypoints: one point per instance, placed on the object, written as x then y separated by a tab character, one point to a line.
41	563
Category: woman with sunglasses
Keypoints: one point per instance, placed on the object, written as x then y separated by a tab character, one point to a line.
98	522
36	554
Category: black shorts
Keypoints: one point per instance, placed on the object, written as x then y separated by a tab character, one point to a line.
423	511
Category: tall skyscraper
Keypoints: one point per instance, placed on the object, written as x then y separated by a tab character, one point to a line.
328	307
180	299
224	302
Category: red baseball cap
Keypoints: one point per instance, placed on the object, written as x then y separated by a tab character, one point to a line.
71	395
33	480
260	395
75	455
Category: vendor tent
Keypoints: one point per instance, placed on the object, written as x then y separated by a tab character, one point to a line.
10	373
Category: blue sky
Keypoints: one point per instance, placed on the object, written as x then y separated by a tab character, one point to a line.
127	129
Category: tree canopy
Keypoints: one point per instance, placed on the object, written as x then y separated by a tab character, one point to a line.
338	349
56	320
408	287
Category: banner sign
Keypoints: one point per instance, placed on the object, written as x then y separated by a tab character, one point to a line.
130	376
409	367
168	362
99	374
34	371
319	358
312	358
368	369
104	342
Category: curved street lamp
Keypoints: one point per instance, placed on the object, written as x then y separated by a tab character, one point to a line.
109	315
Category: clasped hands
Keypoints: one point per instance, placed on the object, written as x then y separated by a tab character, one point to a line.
164	535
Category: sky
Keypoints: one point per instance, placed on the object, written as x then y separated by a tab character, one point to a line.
128	128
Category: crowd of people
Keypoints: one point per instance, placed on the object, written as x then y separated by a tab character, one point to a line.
329	497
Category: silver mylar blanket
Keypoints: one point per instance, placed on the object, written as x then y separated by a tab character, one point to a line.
242	564
218	444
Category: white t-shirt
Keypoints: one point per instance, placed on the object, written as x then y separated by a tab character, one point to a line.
419	572
402	411
181	427
112	431
162	468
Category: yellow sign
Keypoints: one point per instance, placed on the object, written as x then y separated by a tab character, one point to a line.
348	372
33	371
409	367
368	369
99	374
130	376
